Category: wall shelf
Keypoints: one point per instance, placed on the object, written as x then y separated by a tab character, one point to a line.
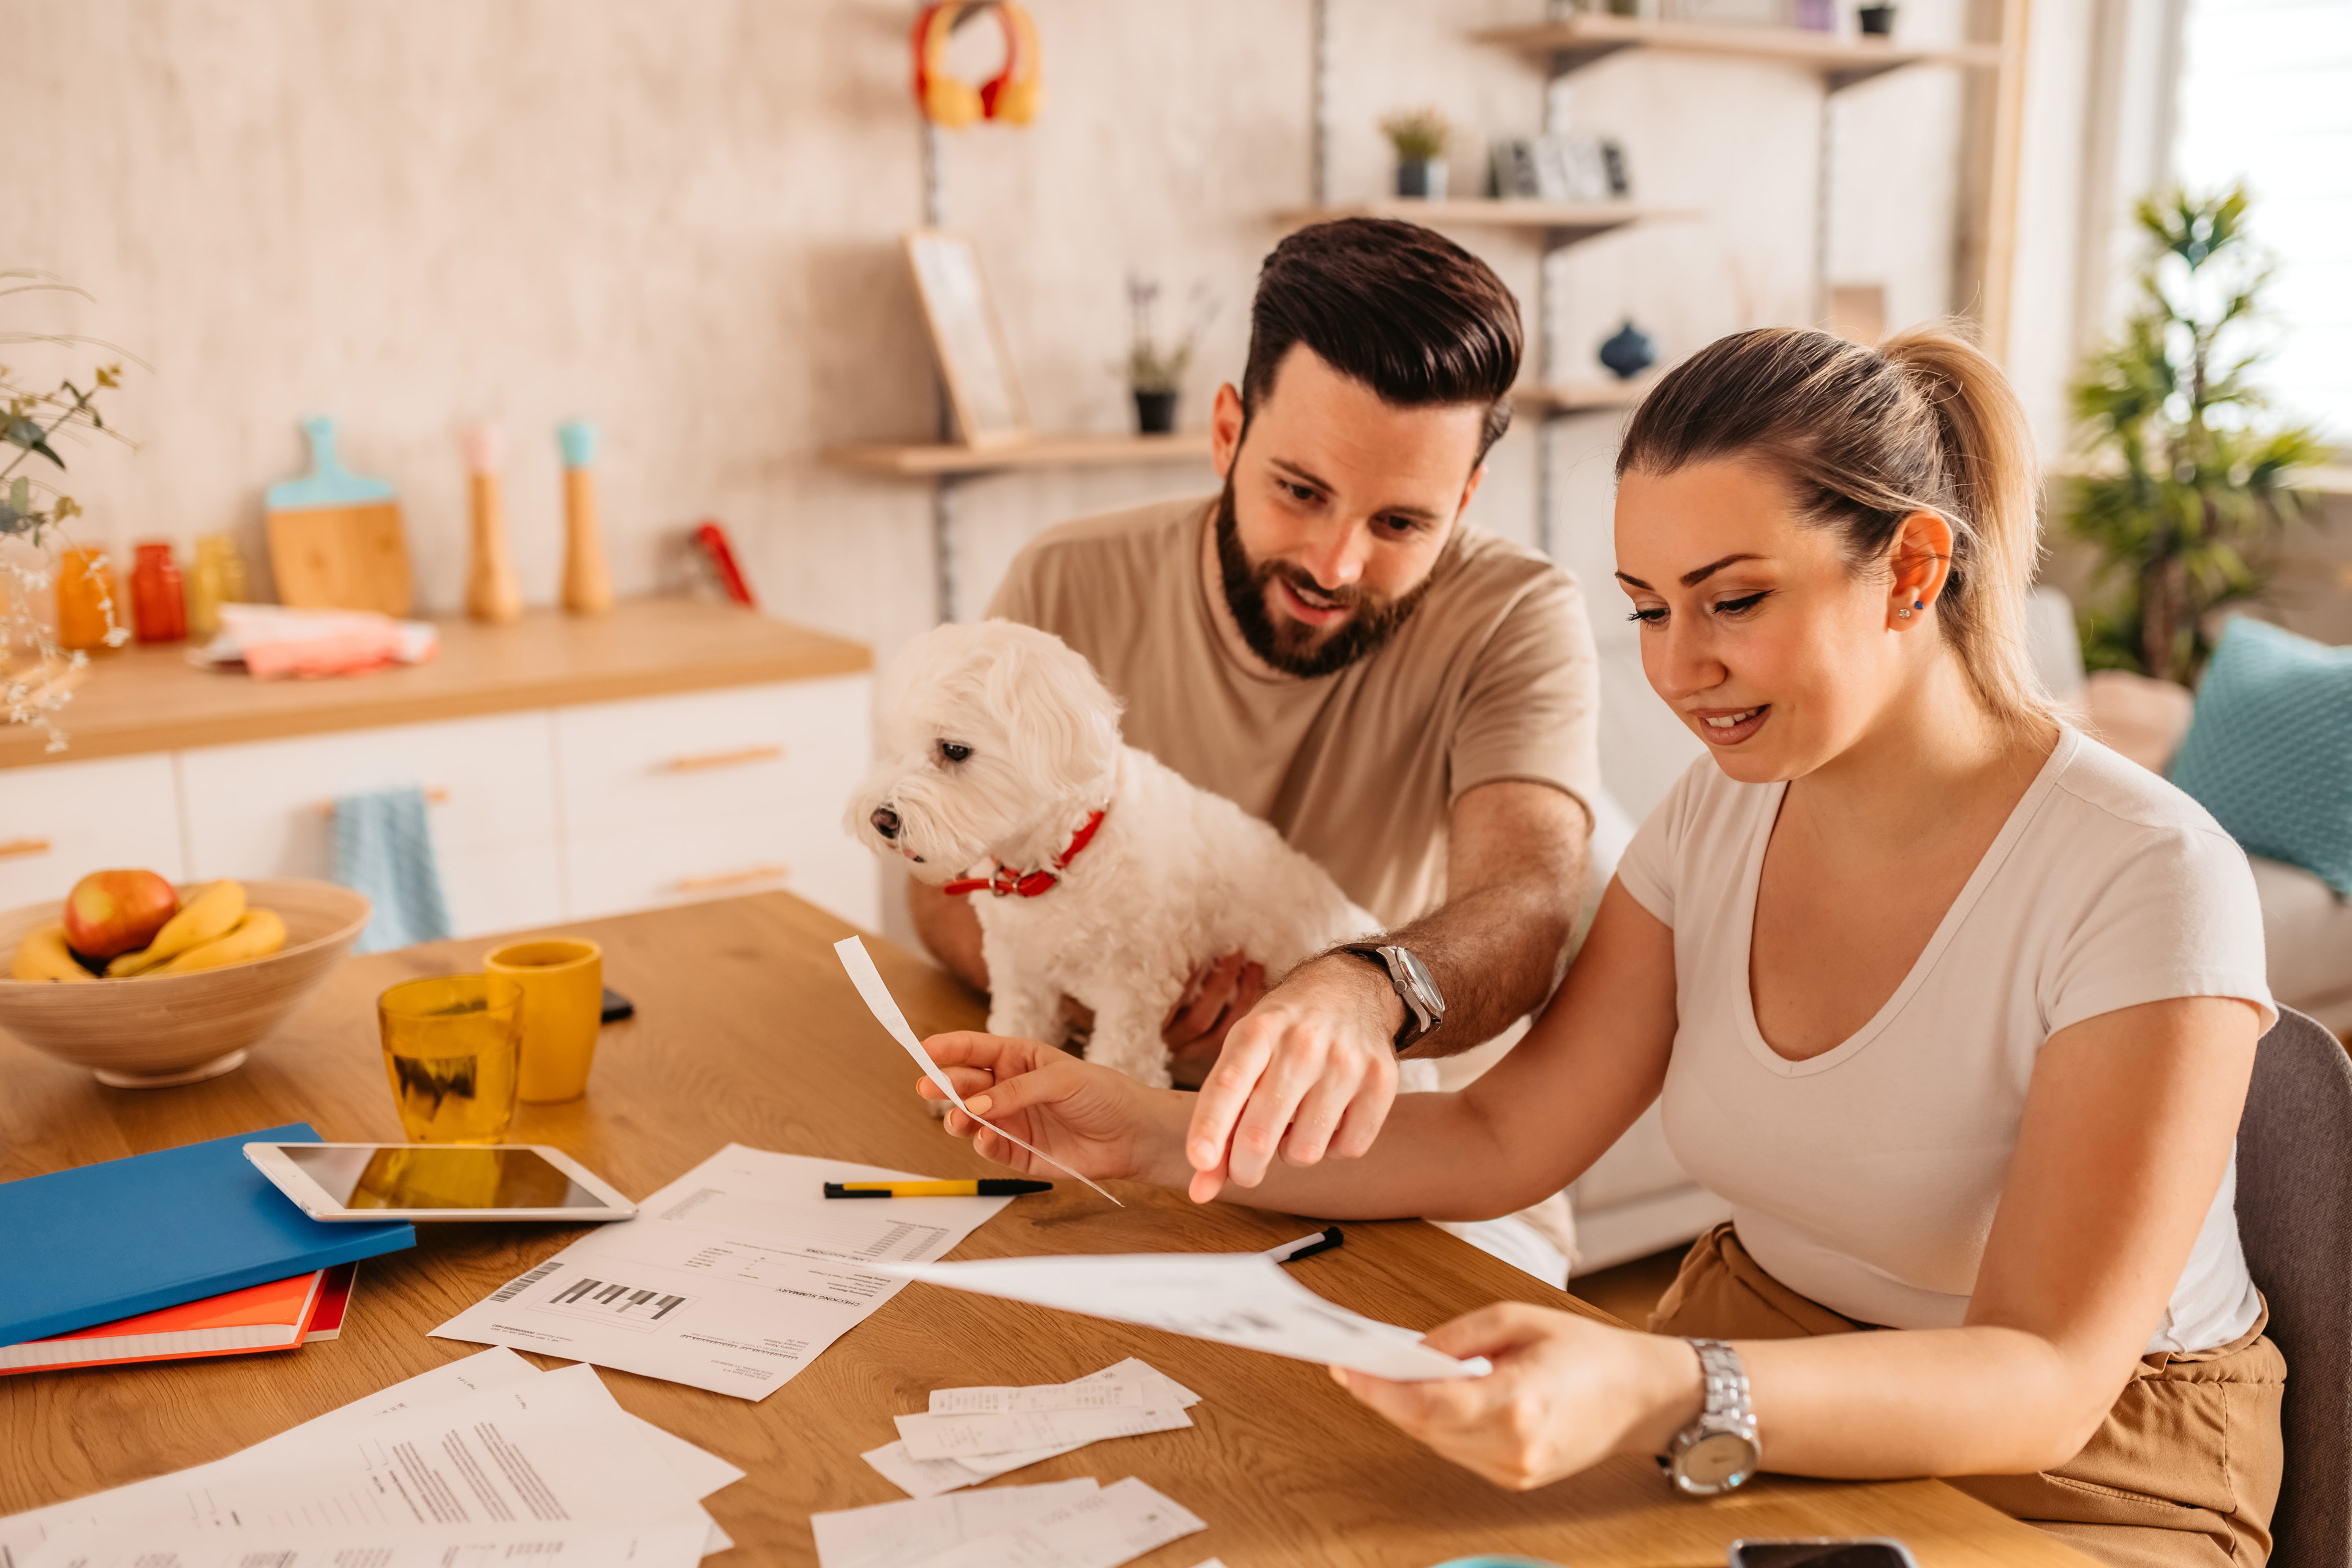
1575	42
1564	222
947	459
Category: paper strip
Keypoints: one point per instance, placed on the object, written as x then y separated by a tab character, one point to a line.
1090	1393
884	1008
929	1436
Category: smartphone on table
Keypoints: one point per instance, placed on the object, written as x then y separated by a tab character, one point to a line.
437	1182
1821	1551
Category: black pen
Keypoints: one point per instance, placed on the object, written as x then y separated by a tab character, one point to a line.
985	1187
1306	1246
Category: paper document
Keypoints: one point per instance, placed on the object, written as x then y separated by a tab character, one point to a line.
890	1533
1100	1529
884	1008
930	1436
933	1478
732	1278
575	1546
1233	1298
464	1455
1087	1393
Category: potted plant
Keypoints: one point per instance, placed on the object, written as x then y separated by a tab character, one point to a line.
38	672
2189	483
1155	369
1420	137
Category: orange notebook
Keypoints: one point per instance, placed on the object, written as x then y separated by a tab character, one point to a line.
273	1317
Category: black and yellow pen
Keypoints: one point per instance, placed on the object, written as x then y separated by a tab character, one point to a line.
985	1187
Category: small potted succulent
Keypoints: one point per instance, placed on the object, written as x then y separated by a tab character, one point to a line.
1155	368
1420	137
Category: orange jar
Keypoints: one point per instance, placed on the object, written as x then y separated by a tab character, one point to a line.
159	600
86	589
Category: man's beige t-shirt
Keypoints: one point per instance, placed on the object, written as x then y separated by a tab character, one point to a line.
1491	677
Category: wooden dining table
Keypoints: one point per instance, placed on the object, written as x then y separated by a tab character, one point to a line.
746	1031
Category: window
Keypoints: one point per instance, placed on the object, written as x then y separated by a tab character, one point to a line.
2266	96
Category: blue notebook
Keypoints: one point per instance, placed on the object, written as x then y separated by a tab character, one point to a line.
101	1242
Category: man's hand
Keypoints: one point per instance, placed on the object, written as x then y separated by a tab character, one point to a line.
1310	1072
1214	1001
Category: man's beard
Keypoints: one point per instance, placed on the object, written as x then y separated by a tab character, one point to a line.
1290	645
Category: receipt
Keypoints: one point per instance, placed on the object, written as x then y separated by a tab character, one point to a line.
1087	1393
884	1008
889	1533
1233	1298
1101	1529
930	1436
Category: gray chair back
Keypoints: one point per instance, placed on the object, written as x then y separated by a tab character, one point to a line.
2295	1217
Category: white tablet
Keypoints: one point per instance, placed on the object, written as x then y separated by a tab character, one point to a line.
436	1181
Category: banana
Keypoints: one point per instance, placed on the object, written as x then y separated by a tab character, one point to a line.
258	934
45	957
209	916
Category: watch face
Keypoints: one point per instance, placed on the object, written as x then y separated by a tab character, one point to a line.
1716	1462
1422	982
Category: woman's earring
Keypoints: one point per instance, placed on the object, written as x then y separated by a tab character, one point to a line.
1901	615
1915	605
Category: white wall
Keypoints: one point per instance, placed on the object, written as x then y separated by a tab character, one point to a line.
679	221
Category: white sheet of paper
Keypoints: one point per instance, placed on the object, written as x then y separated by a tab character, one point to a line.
931	1478
1102	1530
1233	1297
554	1449
1087	1393
732	1278
884	1008
577	1546
889	1533
919	1478
929	1436
21	1534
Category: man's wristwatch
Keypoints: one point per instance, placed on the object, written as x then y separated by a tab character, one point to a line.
1424	1003
1717	1452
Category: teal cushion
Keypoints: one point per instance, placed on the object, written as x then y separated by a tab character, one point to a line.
2270	750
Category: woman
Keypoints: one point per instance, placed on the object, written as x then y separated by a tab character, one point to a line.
1955	1006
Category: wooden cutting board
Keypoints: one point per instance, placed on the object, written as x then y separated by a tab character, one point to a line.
335	539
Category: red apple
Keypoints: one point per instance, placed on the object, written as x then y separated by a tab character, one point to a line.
111	912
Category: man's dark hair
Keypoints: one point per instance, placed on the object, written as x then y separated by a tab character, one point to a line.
1408	312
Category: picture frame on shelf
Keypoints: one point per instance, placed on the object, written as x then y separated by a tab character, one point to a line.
967	337
1570	168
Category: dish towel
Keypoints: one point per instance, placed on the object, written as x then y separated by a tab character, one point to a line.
384	848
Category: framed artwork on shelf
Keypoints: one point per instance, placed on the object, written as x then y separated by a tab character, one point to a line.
967	337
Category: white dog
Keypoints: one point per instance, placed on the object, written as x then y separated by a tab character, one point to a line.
1097	872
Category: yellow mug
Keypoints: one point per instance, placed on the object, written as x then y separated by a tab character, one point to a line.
562	981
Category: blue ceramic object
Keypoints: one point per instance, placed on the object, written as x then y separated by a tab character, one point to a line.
1484	1561
1630	352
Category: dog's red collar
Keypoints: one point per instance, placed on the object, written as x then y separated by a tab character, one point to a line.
1028	884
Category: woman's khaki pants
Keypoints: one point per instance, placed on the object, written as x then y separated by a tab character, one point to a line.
2183	1473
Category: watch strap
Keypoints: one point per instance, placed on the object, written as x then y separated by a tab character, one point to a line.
1727	1413
1418	1024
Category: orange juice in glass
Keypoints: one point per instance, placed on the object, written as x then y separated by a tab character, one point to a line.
451	1048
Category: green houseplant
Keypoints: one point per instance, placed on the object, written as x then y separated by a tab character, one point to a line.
2190	482
37	674
1420	138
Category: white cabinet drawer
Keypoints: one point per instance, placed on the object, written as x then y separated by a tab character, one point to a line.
795	748
61	821
260	809
635	868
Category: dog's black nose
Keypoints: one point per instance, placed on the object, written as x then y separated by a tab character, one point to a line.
885	821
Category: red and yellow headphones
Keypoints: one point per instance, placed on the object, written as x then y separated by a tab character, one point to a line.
1012	95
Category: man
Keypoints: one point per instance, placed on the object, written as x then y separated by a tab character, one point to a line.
1408	699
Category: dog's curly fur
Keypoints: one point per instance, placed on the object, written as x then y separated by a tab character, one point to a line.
994	743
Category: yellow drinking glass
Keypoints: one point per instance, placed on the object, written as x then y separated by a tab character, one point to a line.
451	1045
562	981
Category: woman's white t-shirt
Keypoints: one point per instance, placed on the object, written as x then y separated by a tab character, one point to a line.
1866	1177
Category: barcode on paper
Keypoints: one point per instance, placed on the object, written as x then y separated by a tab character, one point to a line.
514	1288
609	1301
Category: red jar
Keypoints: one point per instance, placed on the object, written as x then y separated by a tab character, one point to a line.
159	606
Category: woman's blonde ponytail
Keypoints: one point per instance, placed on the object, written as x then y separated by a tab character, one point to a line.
1866	437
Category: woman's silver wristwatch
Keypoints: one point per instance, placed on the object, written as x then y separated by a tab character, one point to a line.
1718	1451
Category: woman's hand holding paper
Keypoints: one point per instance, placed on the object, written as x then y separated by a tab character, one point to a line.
1564	1395
1099	1122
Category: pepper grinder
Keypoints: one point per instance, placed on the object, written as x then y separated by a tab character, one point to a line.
587	584
490	591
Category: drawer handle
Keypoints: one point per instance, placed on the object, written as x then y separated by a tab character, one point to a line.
735	759
435	797
730	878
24	847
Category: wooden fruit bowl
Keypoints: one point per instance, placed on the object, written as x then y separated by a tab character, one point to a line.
163	1029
